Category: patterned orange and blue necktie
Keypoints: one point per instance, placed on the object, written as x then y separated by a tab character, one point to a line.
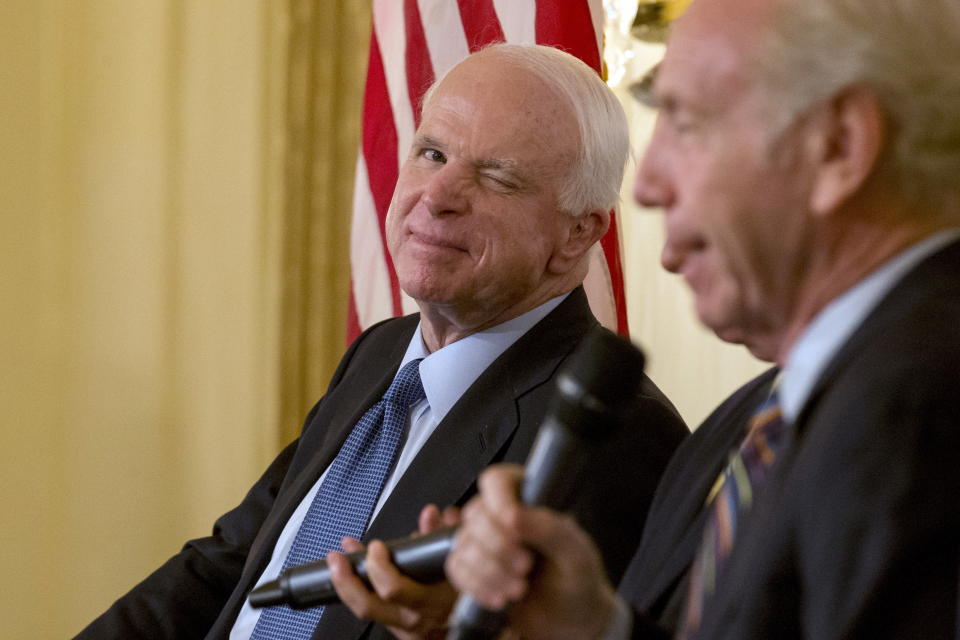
729	502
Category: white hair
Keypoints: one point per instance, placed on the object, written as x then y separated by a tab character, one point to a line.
906	51
594	181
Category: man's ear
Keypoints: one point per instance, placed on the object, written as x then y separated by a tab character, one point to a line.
850	135
580	234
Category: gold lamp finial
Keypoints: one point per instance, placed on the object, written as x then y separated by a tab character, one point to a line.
652	21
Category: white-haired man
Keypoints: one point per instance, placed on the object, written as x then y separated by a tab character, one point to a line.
806	157
507	188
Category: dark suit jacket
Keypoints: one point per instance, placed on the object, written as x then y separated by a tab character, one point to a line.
655	581
857	532
199	592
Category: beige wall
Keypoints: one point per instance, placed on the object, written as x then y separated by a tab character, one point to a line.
136	261
140	191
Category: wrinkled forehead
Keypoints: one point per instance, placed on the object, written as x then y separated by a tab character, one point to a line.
496	103
495	78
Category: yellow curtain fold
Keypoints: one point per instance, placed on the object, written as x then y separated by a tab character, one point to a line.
326	67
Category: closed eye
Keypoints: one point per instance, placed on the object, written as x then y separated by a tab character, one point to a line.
500	182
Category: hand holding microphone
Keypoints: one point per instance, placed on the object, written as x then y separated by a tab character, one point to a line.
505	553
535	565
410	609
369	580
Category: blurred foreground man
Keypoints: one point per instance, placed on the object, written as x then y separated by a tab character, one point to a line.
807	159
508	186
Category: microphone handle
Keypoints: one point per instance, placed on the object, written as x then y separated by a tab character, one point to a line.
550	470
470	620
309	585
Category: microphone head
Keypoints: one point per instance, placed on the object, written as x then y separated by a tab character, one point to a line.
604	372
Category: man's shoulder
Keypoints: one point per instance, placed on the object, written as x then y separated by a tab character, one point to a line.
905	352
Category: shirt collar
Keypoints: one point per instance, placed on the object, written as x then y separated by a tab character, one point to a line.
448	372
831	328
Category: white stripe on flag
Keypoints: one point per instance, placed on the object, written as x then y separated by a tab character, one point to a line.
518	19
371	280
388	24
599	289
444	33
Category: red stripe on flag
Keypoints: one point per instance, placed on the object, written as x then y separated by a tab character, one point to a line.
419	67
611	251
568	25
380	152
480	23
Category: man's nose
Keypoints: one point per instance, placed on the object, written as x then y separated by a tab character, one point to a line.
444	192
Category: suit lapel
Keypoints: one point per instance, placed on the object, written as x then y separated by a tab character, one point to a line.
675	525
488	422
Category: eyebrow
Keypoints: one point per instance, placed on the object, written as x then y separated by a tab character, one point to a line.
501	164
424	140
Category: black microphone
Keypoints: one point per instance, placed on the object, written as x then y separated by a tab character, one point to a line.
603	374
309	585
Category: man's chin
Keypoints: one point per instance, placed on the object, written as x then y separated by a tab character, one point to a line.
733	335
714	319
761	345
433	297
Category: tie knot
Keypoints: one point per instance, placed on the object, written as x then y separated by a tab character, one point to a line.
406	388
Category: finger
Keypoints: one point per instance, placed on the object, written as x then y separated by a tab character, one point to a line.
423	608
420	607
387	581
553	534
429	519
571	572
486	562
451	516
499	487
363	602
495	537
351	544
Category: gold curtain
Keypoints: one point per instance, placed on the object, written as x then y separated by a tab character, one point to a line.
176	202
326	67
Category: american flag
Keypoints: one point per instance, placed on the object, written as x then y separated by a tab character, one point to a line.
414	41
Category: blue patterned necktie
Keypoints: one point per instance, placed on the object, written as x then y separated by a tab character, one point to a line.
728	502
345	500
